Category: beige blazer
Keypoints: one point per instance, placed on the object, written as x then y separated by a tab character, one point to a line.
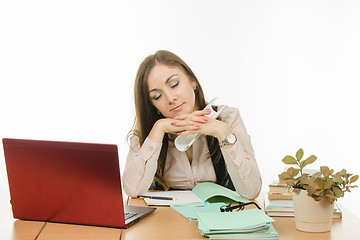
240	161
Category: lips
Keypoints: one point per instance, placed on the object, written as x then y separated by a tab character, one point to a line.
177	108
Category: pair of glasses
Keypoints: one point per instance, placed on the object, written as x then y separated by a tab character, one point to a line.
238	206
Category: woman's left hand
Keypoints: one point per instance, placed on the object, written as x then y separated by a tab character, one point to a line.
205	125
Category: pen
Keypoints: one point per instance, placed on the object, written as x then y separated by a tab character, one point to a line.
156	197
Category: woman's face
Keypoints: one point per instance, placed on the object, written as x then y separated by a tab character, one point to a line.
171	91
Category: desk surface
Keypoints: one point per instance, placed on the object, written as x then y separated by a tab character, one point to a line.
164	223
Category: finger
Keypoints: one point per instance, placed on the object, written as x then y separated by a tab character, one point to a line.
189	130
183	123
178	128
198	119
202	112
195	113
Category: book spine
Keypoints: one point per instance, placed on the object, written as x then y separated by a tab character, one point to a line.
279	195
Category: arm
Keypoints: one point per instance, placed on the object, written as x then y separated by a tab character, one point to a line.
140	167
240	158
141	162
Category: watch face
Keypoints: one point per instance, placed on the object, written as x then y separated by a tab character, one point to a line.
231	138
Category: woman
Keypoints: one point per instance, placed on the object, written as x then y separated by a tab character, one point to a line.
168	102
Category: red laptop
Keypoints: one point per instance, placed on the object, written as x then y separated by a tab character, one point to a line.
67	182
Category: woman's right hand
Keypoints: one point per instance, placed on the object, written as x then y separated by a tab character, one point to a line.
185	122
168	125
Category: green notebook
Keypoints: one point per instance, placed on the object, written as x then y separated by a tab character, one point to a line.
212	192
213	196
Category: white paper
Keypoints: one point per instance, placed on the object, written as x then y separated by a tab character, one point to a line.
181	197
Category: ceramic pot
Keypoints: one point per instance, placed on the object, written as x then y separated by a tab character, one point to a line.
310	215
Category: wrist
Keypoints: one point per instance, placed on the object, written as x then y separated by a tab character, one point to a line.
228	141
223	132
157	132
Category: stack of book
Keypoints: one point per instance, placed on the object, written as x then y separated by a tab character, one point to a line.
279	190
280	203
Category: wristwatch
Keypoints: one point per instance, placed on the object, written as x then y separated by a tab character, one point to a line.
229	140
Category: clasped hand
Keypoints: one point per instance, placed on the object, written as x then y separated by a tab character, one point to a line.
196	123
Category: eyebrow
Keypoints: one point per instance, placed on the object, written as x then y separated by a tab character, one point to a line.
167	80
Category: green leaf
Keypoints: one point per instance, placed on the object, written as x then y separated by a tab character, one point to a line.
307	181
314	186
310	190
330	198
338	178
338	193
328	184
297	191
289	160
354	178
284	176
325	171
293	172
302	164
290	182
330	193
319	182
309	160
299	154
317	174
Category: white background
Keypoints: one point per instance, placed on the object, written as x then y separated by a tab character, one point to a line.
67	70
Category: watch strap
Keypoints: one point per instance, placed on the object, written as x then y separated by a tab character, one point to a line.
226	141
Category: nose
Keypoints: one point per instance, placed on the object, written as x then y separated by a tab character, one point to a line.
171	98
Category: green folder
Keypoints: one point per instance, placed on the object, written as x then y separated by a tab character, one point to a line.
234	220
246	224
269	233
190	210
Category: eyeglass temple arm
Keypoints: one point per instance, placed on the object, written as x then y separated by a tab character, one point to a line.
243	204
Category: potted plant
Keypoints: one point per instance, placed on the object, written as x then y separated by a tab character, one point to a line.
314	194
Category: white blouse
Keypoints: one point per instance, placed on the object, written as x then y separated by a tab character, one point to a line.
179	173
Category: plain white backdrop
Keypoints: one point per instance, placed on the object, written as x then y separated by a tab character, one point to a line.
67	70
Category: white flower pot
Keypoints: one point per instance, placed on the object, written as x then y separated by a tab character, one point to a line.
310	215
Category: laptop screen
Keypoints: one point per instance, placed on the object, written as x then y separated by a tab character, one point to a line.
64	182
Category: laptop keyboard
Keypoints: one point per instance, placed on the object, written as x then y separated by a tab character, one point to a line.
129	215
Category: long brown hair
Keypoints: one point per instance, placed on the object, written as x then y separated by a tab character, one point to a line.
147	114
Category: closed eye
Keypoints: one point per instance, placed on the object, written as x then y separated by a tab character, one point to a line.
175	84
157	96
